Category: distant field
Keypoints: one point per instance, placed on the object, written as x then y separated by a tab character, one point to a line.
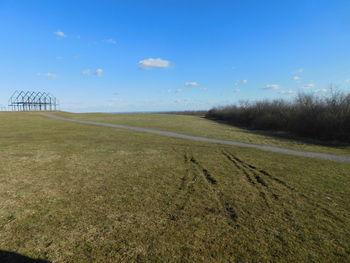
77	193
199	126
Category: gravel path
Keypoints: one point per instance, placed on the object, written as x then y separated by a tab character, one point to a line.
326	156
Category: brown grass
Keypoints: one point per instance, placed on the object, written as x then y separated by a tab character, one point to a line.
79	193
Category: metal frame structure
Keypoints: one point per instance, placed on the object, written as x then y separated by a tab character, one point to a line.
33	101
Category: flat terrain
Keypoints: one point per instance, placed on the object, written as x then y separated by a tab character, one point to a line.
325	156
77	193
199	126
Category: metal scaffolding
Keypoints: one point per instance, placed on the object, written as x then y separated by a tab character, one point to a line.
33	101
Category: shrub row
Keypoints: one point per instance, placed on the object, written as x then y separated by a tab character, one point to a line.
326	118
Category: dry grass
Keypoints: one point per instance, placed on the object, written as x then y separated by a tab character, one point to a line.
79	193
198	126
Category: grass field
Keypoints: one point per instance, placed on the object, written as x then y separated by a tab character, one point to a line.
199	126
77	193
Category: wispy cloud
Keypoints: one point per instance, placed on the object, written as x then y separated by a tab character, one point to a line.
110	41
347	80
273	86
309	86
236	90
48	75
170	91
99	72
88	72
300	70
286	92
115	100
60	34
204	89
321	90
238	82
191	84
151	63
296	78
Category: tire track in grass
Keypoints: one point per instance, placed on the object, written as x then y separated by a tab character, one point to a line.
258	173
227	206
186	189
262	177
253	179
205	172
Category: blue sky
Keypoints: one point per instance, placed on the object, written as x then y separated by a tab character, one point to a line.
159	55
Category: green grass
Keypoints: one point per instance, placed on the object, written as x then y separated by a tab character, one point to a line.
199	126
78	193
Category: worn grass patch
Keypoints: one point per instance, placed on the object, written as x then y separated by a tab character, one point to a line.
78	193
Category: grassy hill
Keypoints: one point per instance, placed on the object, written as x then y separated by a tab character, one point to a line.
77	193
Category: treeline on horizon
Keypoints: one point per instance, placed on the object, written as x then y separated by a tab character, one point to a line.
308	115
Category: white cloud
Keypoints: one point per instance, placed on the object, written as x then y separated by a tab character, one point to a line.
309	86
191	84
99	72
296	78
110	41
347	80
287	92
48	75
204	89
321	90
115	100
154	63
60	34
238	82
272	86
88	72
